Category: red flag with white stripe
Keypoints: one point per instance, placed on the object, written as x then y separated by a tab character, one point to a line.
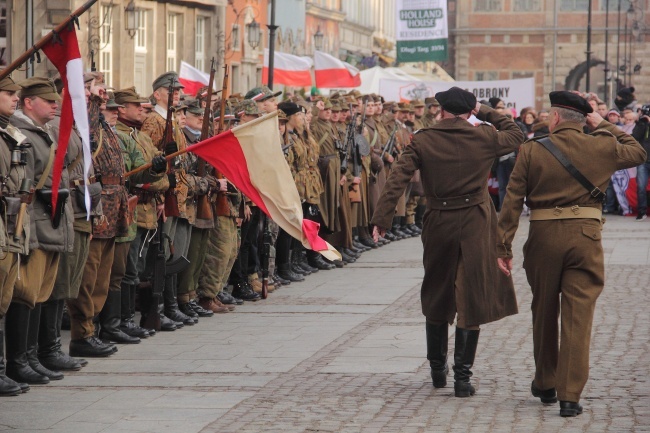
63	52
288	69
250	156
192	78
331	72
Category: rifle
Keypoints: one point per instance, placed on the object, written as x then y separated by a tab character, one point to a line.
349	142
222	206
171	201
29	54
355	193
390	144
203	206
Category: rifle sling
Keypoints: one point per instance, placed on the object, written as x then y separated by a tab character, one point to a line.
48	168
594	191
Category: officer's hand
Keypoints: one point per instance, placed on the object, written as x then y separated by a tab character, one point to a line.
172	180
593	120
159	164
223	185
343	180
171	147
477	108
389	158
377	233
505	265
356	180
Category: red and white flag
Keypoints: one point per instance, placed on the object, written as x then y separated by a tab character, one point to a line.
331	72
288	69
63	52
192	78
250	156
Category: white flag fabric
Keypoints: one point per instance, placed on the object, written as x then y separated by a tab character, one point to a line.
331	72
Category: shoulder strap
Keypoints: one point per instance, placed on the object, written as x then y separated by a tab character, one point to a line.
594	191
48	168
323	138
101	142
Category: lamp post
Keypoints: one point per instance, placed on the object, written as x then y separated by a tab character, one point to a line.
631	17
131	19
606	91
588	52
253	33
318	39
272	28
618	45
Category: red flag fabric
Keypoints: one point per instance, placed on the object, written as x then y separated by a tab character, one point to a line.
63	52
250	156
331	72
192	78
288	69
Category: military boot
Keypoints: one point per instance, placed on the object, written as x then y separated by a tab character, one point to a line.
437	341
110	318
18	368
285	272
32	346
8	387
49	339
243	290
127	313
464	353
171	303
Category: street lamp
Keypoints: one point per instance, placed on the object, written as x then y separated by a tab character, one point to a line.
253	32
318	39
131	21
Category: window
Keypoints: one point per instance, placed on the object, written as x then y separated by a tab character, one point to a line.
141	34
613	5
575	5
489	5
172	21
526	5
106	45
199	44
522	74
486	75
234	37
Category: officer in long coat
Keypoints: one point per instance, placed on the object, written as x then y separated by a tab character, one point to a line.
563	255
459	232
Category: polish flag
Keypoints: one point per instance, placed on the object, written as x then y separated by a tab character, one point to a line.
331	72
250	156
192	78
288	69
63	52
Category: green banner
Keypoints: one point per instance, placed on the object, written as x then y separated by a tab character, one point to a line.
422	51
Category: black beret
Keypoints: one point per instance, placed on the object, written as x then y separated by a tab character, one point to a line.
456	100
626	91
289	108
570	101
494	102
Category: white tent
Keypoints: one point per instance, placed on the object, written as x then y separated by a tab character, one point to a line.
438	74
370	78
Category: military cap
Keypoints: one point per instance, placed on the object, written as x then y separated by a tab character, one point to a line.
336	107
41	87
179	107
570	101
9	85
336	96
248	107
259	94
417	103
129	95
194	106
290	108
328	103
431	101
236	97
403	106
112	105
456	100
167	79
88	77
354	93
228	113
282	117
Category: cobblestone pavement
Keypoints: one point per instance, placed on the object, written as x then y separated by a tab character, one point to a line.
345	352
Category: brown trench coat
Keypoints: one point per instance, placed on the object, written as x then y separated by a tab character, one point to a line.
454	159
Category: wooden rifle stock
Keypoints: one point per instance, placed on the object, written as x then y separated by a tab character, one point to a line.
222	205
203	205
171	201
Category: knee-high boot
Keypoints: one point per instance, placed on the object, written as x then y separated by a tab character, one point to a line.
464	354
110	318
127	312
32	346
437	341
8	387
49	339
171	303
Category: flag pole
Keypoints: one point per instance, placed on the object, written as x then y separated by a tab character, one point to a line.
73	18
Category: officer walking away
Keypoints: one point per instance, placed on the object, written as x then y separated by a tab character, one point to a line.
459	228
563	254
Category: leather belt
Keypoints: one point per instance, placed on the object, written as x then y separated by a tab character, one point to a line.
112	180
81	182
459	202
559	213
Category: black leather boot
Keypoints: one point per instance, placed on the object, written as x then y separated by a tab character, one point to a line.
49	339
127	313
295	264
285	272
437	341
8	387
316	261
171	303
149	309
304	262
91	347
32	346
110	318
167	324
244	291
464	353
18	368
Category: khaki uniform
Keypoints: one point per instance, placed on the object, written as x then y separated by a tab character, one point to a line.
459	231
329	163
564	256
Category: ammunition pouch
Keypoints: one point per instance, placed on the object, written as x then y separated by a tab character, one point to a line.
95	192
11	207
45	196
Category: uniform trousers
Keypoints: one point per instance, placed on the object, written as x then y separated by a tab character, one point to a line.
93	289
219	258
188	279
565	268
343	238
118	270
71	267
411	205
8	274
36	278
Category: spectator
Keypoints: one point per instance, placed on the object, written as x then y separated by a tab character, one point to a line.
629	121
506	162
641	133
614	117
